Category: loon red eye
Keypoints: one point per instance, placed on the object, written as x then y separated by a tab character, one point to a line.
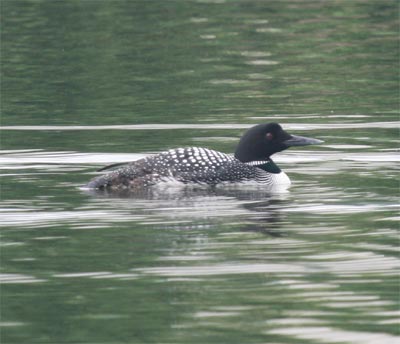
269	136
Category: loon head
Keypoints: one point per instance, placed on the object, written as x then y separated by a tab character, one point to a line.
263	140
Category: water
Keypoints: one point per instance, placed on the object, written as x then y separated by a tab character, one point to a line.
91	83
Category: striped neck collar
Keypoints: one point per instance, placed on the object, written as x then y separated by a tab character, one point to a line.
266	165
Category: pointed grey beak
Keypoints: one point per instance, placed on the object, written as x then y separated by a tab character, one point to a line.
301	141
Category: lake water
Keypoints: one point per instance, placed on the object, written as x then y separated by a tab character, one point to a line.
91	83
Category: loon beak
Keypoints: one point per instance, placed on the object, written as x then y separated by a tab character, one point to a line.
301	141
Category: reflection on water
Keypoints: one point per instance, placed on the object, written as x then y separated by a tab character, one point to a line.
92	83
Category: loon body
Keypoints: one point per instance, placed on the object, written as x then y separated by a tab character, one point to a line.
250	163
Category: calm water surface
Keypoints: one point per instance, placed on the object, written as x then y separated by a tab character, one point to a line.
90	83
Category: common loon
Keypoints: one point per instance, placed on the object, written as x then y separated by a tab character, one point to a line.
250	163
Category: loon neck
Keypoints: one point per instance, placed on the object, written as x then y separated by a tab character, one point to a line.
266	165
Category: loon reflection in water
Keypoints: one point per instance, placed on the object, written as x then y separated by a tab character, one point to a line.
251	163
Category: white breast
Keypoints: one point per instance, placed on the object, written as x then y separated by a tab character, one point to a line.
272	179
281	179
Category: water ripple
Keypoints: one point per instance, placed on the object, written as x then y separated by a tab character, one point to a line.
289	126
334	335
19	279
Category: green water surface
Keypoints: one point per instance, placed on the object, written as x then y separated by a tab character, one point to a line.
89	83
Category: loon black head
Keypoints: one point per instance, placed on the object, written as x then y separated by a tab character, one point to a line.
263	140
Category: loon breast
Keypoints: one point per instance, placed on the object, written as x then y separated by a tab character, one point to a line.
186	165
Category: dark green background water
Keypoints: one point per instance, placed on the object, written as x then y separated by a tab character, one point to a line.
89	83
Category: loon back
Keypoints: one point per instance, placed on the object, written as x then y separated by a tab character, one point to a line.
186	165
